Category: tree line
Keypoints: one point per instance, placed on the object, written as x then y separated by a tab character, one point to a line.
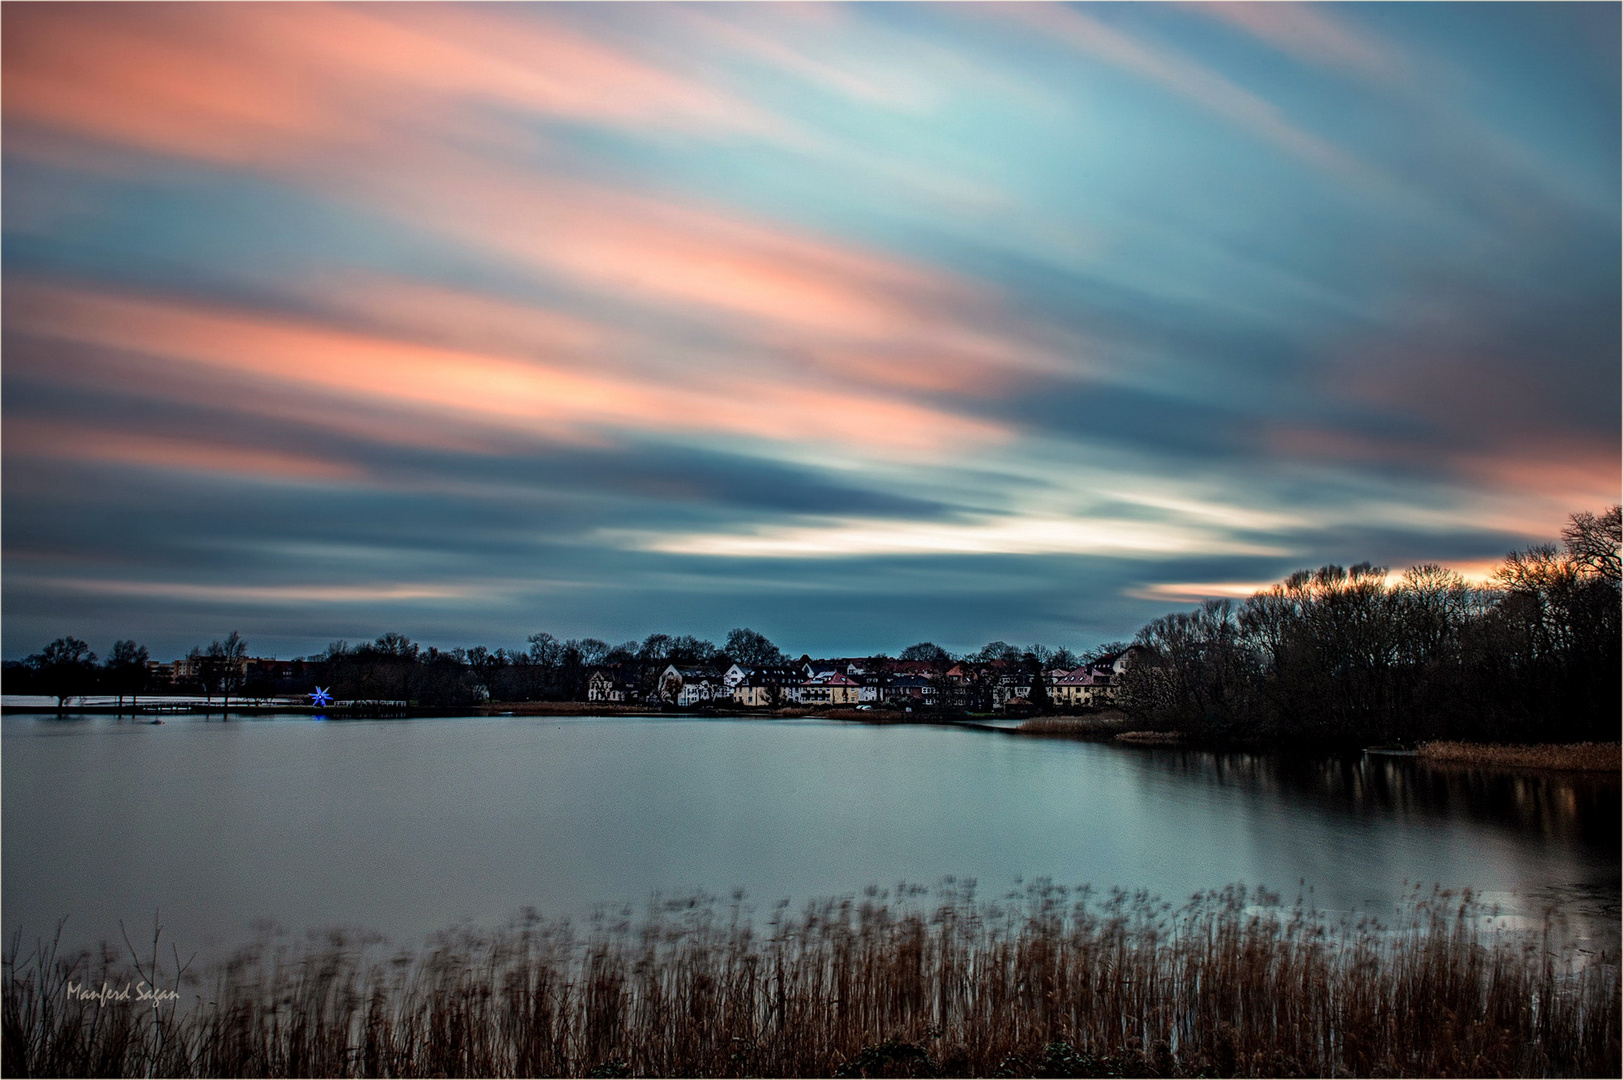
1342	654
393	669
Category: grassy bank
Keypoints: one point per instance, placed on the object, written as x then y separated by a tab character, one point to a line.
1587	757
1050	982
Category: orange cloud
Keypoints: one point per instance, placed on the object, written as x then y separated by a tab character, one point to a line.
535	396
1562	474
380	106
154	78
909	369
1531	480
434	314
168	452
374	106
259	84
657	250
775	288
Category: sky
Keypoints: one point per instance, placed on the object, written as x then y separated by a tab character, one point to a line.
855	324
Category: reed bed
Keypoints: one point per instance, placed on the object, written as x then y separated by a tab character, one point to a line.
1094	727
1587	757
1047	982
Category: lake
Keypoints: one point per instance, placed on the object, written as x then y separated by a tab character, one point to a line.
409	826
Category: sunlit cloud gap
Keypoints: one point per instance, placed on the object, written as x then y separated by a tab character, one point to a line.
1186	592
1479	572
1009	536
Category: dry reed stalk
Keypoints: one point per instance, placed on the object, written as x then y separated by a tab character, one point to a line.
1051	981
1151	737
1589	757
1098	727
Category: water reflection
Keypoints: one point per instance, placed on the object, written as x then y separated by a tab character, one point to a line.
1576	812
1567	808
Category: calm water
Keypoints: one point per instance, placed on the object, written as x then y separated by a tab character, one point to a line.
409	826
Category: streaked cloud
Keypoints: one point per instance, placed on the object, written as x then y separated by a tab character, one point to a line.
855	323
1195	82
1188	592
1026	535
247	84
1313	33
76	442
553	400
278	595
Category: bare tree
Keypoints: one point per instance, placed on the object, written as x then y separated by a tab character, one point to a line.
127	669
1593	542
393	644
228	658
926	650
654	649
545	650
66	667
994	651
752	649
485	665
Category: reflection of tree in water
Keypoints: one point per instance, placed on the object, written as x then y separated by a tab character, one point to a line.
1566	809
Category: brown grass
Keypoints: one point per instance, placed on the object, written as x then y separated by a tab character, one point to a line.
1589	757
1081	727
1151	737
1049	982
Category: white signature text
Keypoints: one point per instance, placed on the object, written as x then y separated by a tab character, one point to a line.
105	993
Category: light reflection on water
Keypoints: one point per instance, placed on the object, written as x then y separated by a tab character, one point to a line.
409	826
1558	812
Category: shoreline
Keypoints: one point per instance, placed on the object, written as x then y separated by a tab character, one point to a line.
1106	726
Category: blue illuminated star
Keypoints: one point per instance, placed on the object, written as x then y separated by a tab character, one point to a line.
320	697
